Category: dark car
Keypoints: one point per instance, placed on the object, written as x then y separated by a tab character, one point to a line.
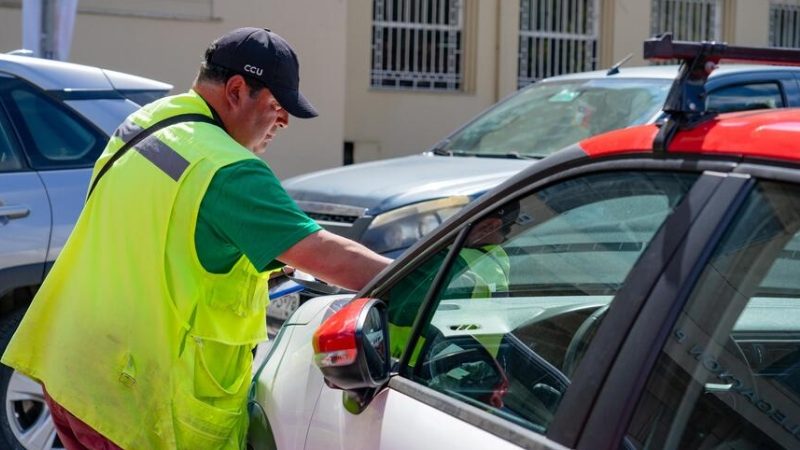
637	290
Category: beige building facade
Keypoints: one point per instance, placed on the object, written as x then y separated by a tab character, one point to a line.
393	77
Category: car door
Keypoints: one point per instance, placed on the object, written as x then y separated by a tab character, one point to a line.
485	362
24	209
715	350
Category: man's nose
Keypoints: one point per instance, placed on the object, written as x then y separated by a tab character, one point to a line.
283	118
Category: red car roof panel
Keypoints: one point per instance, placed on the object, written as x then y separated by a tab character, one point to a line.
774	134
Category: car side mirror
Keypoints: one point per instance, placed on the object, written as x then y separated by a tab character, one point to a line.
351	347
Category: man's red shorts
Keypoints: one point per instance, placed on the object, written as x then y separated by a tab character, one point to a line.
74	434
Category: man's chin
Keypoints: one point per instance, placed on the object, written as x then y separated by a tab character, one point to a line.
260	149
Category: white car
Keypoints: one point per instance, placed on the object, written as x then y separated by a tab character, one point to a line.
651	301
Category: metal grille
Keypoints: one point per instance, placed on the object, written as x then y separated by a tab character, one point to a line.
688	20
417	44
784	24
556	37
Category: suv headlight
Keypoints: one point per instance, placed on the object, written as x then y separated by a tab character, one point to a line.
400	228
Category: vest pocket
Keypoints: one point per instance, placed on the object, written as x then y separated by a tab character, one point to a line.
221	371
199	425
243	297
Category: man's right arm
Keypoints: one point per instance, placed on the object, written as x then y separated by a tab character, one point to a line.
335	260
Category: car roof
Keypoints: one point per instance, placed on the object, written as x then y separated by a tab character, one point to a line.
53	75
670	71
772	134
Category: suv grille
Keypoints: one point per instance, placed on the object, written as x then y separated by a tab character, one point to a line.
331	213
335	218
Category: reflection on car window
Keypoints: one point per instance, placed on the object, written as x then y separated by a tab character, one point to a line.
729	374
547	117
745	97
9	154
53	136
522	299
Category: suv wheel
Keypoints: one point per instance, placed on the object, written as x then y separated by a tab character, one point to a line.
25	421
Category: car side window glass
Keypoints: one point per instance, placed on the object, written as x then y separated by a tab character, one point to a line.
729	373
9	153
523	298
53	136
742	97
405	298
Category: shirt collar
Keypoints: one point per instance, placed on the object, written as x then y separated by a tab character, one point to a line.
214	113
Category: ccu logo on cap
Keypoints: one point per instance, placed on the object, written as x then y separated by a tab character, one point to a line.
253	69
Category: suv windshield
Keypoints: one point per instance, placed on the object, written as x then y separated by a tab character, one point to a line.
549	116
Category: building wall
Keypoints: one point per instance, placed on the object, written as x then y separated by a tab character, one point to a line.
171	50
333	40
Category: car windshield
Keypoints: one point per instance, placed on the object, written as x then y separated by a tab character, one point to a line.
548	116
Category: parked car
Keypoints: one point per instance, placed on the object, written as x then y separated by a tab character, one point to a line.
55	119
410	196
651	300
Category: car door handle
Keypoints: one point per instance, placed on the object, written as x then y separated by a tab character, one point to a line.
14	211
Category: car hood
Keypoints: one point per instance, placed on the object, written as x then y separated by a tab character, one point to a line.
388	184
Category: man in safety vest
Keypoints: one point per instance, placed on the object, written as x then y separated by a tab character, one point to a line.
142	334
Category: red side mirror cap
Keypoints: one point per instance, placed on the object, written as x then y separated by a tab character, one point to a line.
351	347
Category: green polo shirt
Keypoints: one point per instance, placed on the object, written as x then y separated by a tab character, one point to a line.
246	211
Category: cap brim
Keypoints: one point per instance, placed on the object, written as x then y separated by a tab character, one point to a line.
295	104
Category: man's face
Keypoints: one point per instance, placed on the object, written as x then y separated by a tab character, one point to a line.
259	119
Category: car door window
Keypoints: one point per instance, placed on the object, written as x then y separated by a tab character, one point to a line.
728	376
744	97
523	297
53	136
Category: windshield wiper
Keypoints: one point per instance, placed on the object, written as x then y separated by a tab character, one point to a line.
508	155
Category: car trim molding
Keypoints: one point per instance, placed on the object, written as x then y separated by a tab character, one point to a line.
20	276
331	208
481	419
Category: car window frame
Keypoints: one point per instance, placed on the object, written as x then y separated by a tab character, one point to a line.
573	162
27	146
15	142
620	390
12	132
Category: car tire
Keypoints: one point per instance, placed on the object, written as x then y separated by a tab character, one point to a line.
25	421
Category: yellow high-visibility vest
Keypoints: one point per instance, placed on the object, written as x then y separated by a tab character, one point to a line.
129	332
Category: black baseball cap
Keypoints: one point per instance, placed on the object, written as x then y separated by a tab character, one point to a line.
260	54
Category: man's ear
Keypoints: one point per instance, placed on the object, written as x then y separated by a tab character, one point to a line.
235	90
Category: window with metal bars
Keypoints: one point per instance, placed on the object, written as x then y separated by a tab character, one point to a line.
784	24
688	20
557	37
418	44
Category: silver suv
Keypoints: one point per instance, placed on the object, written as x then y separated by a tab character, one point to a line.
55	119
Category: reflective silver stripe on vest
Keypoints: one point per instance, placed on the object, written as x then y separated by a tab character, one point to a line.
127	130
163	157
